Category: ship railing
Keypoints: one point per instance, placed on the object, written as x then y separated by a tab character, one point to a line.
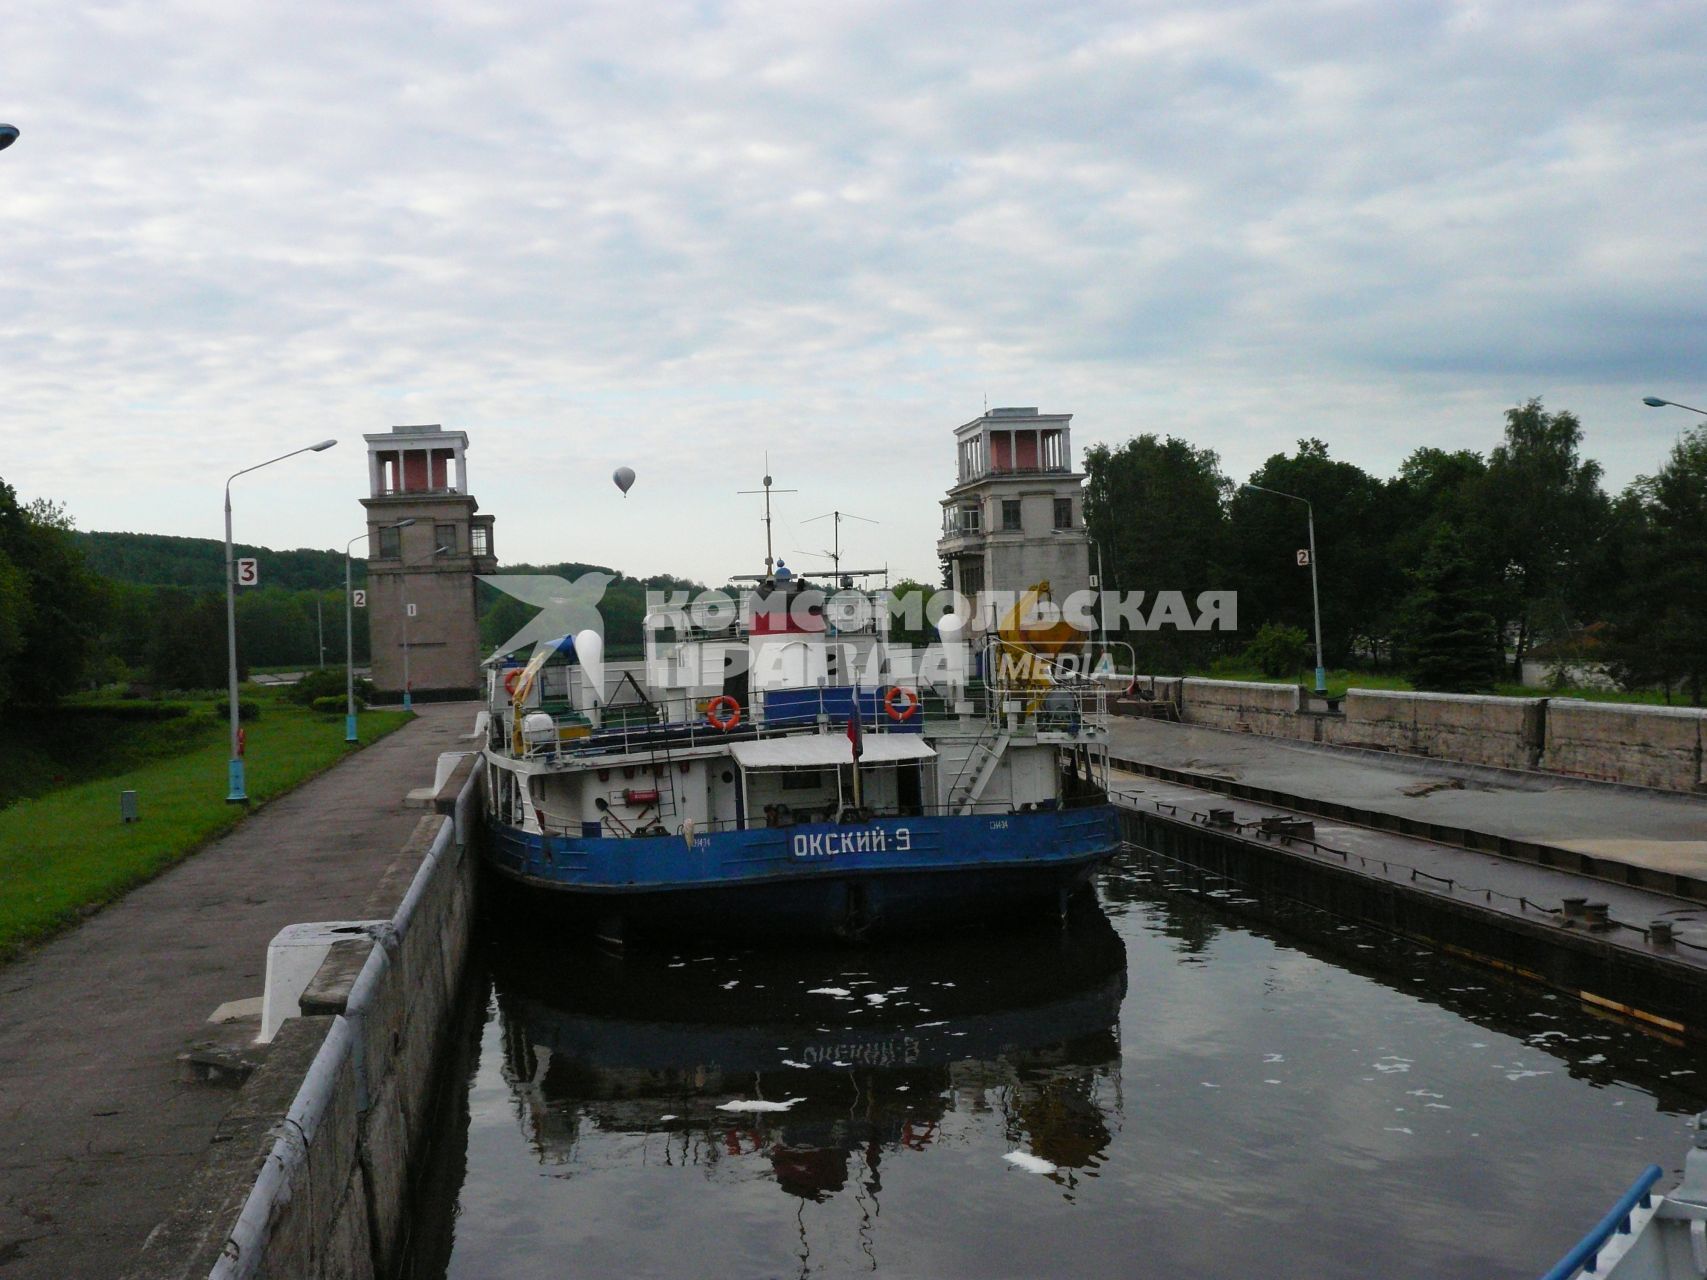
1059	713
1585	1253
680	724
785	816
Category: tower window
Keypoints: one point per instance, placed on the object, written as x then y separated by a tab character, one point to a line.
444	535
1010	515
1063	513
477	544
391	544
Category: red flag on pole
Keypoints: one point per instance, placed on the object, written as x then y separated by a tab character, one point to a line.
856	735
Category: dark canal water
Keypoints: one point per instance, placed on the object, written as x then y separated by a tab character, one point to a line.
1163	1089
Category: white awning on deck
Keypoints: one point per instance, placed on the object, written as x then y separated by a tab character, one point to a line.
823	751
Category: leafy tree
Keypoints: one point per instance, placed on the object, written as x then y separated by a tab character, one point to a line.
910	600
1278	650
188	648
1361	582
50	601
1660	636
1156	508
1452	646
1543	511
14	619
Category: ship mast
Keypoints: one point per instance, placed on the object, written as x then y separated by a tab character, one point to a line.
836	544
767	491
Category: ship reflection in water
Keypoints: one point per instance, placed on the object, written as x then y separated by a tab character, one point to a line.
818	1083
1167	1087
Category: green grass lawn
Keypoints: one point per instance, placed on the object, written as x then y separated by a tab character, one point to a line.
66	852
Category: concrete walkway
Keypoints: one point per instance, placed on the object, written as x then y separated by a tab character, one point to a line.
1652	829
98	1135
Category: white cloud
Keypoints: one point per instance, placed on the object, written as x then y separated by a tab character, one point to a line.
679	236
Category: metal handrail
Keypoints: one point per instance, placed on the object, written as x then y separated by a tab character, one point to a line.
562	824
1587	1250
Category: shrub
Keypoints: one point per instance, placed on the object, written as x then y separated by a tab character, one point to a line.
1278	651
330	706
246	710
326	684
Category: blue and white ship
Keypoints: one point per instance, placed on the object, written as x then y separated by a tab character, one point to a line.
776	767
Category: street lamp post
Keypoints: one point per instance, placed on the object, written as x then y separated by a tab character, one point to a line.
349	635
1654	402
236	792
1315	594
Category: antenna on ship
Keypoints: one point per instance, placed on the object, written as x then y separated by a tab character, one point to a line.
769	559
836	552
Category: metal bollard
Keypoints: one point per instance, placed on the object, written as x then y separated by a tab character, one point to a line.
127	807
1659	933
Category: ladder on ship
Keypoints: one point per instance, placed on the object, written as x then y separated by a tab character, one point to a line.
976	771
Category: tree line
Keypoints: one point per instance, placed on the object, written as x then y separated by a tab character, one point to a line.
1458	569
81	609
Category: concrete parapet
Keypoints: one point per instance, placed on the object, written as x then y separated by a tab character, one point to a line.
316	1182
1271	709
1468	727
1647	746
1623	742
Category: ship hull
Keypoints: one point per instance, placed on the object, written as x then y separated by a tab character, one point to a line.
887	876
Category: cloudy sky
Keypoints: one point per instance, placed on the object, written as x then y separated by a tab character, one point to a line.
677	236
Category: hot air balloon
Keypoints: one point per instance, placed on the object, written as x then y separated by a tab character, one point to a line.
623	478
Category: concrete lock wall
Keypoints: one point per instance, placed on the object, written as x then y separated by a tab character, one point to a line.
1650	746
1270	709
328	1193
1647	746
1471	728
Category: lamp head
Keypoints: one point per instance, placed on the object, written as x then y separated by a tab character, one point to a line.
1654	402
322	446
404	524
8	135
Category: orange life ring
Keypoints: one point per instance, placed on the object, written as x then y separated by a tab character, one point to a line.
723	712
511	679
896	695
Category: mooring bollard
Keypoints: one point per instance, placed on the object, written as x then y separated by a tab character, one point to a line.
127	807
1659	933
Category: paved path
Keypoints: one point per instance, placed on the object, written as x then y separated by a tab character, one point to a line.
97	1133
1649	829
